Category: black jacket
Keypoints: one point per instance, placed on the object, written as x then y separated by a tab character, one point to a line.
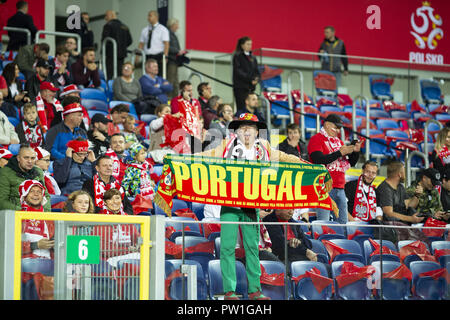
100	147
19	39
33	85
245	70
287	148
120	32
276	233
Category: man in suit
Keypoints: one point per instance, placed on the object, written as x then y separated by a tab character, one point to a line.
299	246
20	20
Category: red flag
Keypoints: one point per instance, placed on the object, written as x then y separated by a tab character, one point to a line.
275	279
141	204
333	249
436	274
320	282
441	252
385	250
399	273
351	273
356	233
418	248
431	222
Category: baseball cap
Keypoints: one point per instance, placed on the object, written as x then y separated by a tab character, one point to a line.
433	174
98	117
334	118
446	173
43	63
46	85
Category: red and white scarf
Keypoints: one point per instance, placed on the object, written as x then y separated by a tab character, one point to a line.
444	155
334	144
100	188
60	79
116	163
40	105
236	150
107	211
147	185
35	230
34	138
191	118
365	206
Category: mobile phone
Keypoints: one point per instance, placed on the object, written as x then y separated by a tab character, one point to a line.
354	141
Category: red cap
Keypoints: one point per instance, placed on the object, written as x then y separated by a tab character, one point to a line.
73	107
78	145
48	86
69	89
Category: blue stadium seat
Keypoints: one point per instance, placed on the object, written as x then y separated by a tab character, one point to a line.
425	287
147	118
92	104
217	246
14	121
355	291
316	227
412	257
175	287
368	249
374	133
386	124
439	245
319	249
305	289
380	89
14	148
93	112
54	199
93	94
179	204
400	115
353	226
202	257
274	292
114	103
198	208
378	114
181	222
393	289
215	280
359	112
443	117
355	252
397	134
325	91
430	91
158	168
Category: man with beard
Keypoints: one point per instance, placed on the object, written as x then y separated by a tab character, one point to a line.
85	69
117	153
98	134
48	107
34	82
361	195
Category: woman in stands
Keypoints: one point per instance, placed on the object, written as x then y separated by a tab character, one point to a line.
125	87
79	202
245	71
16	95
441	153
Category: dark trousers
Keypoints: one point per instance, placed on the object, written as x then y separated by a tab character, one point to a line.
159	59
239	96
110	67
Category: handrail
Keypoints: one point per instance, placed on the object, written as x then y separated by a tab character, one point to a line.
24	30
61	34
114	44
425	141
302	103
164	66
408	158
195	74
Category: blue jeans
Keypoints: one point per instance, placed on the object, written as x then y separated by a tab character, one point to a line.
338	195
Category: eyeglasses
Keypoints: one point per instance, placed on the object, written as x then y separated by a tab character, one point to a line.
46	160
81	154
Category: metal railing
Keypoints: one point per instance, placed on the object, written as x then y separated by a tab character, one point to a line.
114	52
60	34
26	31
425	141
408	158
291	98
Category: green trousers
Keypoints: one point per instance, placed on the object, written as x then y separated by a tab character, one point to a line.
250	239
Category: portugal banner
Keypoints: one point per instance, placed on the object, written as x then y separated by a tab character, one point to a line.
243	183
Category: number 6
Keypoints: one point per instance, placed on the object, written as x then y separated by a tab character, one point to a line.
83	249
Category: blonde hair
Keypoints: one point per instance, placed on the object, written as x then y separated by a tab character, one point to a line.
71	199
440	140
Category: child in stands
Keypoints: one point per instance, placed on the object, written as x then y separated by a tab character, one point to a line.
29	130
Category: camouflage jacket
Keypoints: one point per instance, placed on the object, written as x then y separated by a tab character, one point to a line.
429	201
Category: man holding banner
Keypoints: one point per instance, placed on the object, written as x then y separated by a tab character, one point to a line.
248	176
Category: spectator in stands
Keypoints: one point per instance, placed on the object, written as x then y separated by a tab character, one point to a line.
204	94
445	196
42	74
65	131
125	87
86	34
154	40
157	133
117	153
152	84
293	143
138	175
20	20
8	108
74	55
104	180
8	134
98	134
220	124
118	115
75	168
131	133
251	105
4	14
49	108
361	195
5	155
117	30
85	71
16	95
393	199
440	157
210	112
71	94
245	72
28	130
79	202
27	56
185	94
333	45
43	162
174	53
424	196
298	247
60	72
19	168
326	148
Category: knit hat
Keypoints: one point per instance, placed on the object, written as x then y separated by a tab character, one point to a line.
247	118
41	153
25	188
134	149
71	108
5	153
69	89
78	145
45	85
